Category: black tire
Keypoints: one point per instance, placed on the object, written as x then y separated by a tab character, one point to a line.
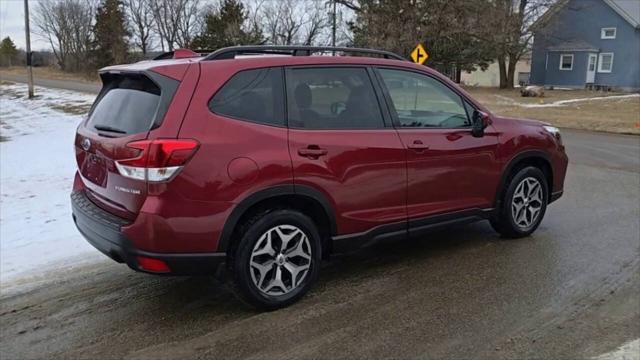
504	221
250	232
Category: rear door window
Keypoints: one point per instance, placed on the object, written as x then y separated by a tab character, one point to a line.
127	105
332	98
253	95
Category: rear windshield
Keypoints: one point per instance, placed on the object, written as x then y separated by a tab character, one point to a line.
127	105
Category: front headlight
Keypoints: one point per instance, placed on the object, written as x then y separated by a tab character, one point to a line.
553	131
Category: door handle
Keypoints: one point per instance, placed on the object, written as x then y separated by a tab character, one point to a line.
312	152
417	145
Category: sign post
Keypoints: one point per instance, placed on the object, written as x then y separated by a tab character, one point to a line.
419	55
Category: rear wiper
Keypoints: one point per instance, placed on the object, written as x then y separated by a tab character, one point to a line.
109	128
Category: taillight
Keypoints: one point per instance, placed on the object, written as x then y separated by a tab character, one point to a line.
159	160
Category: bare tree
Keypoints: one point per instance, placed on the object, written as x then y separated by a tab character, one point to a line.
176	21
189	22
351	4
317	21
514	21
67	25
166	14
345	13
281	22
289	22
254	14
142	23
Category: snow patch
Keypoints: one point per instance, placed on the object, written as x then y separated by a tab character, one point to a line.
37	166
560	103
628	351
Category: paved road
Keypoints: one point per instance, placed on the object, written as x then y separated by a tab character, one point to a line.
570	291
56	84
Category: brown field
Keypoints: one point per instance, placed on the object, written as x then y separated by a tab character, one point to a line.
51	73
618	115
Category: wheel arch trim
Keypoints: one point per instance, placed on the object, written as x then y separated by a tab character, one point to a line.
515	160
268	193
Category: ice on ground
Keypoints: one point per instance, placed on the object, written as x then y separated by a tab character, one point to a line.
561	103
628	351
37	167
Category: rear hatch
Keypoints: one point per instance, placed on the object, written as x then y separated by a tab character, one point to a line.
128	108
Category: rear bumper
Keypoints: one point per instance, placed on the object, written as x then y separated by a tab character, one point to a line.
103	231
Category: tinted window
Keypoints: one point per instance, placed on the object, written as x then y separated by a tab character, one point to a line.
332	98
470	109
127	105
254	95
422	101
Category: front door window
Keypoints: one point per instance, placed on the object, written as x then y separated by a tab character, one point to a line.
421	101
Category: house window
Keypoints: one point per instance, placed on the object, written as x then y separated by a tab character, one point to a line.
566	62
608	33
605	62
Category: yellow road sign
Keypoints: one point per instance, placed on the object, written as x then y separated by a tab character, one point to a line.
419	54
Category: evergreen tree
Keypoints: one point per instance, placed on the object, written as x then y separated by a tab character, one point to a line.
454	32
8	52
225	26
110	31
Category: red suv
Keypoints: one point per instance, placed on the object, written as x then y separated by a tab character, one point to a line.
268	159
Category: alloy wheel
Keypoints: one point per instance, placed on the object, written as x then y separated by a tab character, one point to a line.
280	260
527	202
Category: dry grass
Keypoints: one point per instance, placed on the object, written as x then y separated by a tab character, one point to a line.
618	115
74	109
10	93
51	73
5	126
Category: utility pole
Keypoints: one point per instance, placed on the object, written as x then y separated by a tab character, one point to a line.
28	38
333	26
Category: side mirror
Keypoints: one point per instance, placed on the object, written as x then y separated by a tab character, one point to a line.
479	122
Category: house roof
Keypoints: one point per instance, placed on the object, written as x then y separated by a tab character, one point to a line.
627	9
573	45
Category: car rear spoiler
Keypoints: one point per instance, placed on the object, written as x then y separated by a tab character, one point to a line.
182	54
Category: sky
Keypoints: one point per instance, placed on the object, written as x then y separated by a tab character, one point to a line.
12	24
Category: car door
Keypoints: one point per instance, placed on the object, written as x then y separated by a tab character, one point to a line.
448	169
341	146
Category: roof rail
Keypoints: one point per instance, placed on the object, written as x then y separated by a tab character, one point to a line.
294	50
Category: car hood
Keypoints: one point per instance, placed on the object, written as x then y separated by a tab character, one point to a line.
498	120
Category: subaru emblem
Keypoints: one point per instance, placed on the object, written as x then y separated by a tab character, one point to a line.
86	144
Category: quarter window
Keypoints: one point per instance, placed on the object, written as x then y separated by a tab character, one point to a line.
253	95
605	62
422	101
332	98
608	33
566	62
